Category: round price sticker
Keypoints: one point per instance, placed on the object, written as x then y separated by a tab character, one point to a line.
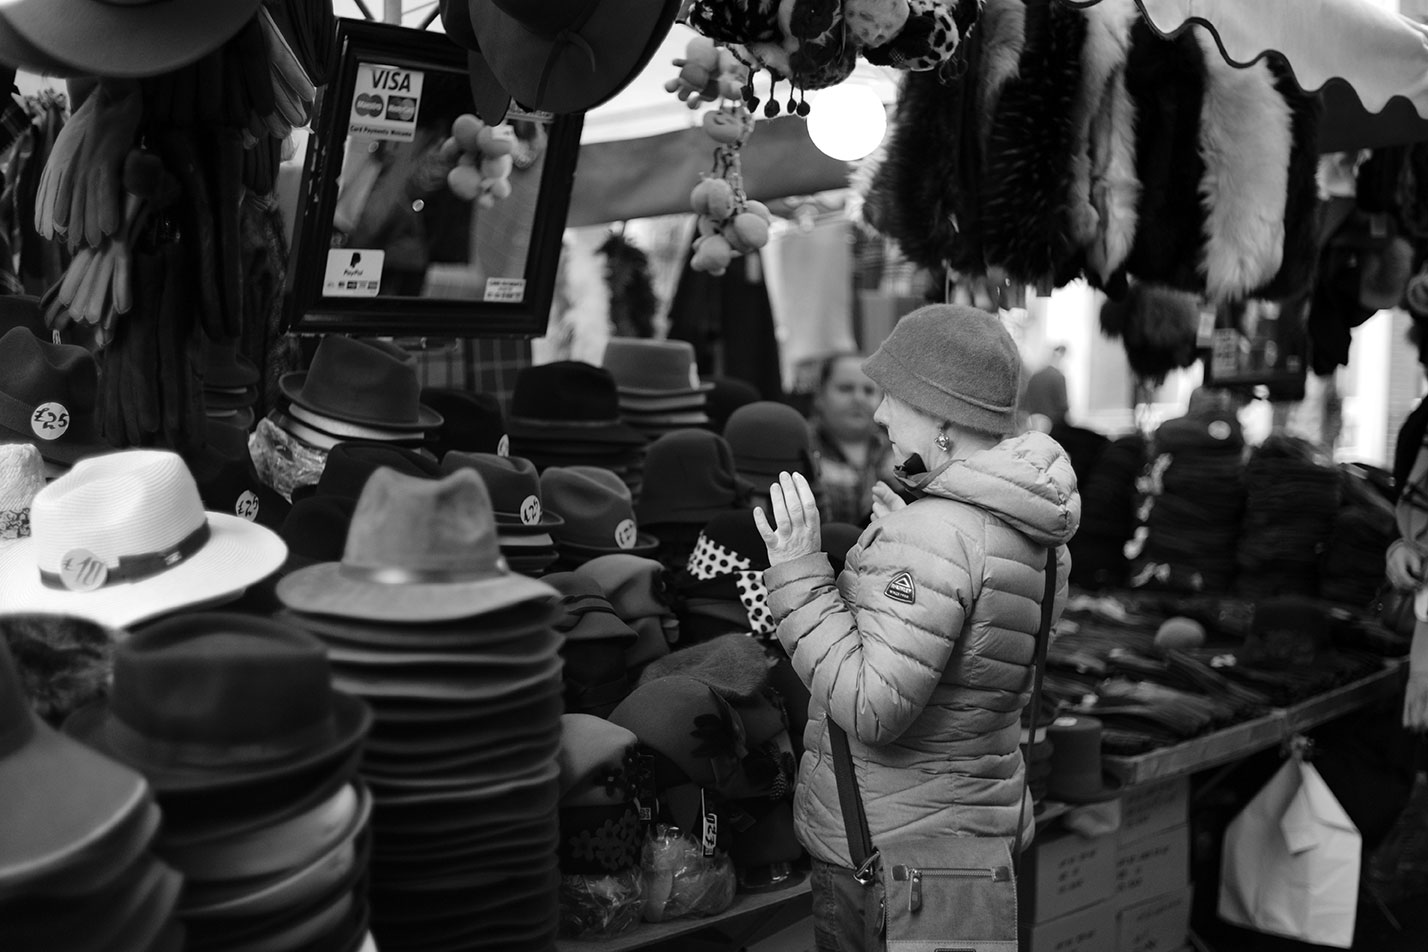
625	534
50	420
503	448
530	511
247	505
82	571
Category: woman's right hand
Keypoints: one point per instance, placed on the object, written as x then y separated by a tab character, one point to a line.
886	501
1404	566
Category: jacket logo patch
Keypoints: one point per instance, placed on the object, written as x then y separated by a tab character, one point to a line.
901	589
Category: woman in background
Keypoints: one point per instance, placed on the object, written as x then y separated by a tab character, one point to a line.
853	454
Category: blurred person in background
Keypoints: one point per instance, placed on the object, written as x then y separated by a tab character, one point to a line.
853	454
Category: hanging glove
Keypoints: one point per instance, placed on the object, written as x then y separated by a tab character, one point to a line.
98	199
293	91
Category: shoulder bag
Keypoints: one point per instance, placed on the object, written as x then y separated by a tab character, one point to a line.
940	894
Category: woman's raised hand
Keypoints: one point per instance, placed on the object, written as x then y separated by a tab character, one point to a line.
796	512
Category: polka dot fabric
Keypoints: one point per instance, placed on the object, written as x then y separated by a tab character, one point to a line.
754	596
711	560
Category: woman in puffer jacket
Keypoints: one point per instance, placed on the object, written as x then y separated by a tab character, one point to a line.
921	650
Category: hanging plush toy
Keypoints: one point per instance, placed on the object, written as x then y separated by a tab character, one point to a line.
482	154
707	74
730	224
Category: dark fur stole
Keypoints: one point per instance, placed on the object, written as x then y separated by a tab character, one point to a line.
64	662
1157	326
1301	246
1027	180
1165	78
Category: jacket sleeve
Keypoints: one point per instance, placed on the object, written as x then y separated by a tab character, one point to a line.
875	660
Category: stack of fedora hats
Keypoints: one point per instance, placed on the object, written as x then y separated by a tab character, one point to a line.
48	397
356	390
567	413
604	779
253	757
471	422
230	384
637	590
422	619
689	479
659	386
523	524
124	537
77	870
597	517
593	648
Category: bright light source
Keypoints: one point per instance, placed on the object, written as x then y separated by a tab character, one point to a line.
847	121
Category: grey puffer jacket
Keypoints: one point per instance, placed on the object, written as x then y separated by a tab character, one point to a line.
921	649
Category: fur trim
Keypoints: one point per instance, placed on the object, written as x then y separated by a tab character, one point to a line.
1166	79
735	666
1301	248
1024	221
1103	58
1003	31
1245	144
1158	327
1115	187
64	662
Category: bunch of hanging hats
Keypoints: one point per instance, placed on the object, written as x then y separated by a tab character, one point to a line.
597	517
253	757
658	383
48	397
230	384
356	390
769	438
637	591
567	413
593	649
124	537
422	619
604	782
722	586
471	422
523	524
77	869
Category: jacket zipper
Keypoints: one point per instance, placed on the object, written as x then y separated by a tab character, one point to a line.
913	877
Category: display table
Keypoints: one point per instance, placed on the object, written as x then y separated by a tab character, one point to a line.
751	917
1262	733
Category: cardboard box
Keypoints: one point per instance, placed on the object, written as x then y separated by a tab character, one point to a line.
1152	865
1064	872
1090	930
1159	924
1154	808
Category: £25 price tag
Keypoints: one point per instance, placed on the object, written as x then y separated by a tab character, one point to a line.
50	420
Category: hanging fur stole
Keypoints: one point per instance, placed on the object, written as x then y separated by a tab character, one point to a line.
1115	187
1103	58
1003	31
1245	143
1158	327
1025	228
1301	247
632	295
1166	80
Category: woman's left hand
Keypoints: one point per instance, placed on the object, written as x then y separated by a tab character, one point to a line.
796	512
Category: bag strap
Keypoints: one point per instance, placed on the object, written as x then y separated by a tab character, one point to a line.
855	819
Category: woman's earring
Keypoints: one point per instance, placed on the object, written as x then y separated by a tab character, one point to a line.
942	442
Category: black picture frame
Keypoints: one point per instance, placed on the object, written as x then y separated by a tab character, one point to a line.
310	310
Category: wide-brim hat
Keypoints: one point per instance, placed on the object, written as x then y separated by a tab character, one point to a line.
323	589
47	397
565	57
100	865
361	382
238	554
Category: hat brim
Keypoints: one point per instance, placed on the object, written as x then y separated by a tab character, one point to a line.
523	652
378	683
614	433
58	451
291	384
1111	787
645	544
322	589
213	400
509	523
526	64
237	554
518	624
158	37
16	49
81	797
351	717
643	394
488	96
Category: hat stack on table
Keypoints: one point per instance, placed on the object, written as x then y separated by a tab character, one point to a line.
636	589
659	386
423	620
253	757
523	524
77	869
596	515
567	413
356	390
230	384
593	648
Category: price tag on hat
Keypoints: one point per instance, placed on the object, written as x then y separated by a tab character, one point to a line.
82	571
247	506
503	448
625	534
530	511
50	420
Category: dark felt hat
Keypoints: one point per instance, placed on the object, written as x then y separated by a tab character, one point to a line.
690	477
315	529
515	490
598	519
361	382
1077	775
352	462
226	369
768	438
471	422
727	395
653	368
214	701
48	396
23	310
690	724
567	400
228	482
490	99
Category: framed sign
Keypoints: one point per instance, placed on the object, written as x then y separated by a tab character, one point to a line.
382	244
1254	343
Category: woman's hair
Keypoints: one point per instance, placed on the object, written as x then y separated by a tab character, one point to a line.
830	363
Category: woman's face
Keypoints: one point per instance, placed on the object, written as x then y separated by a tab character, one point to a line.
909	429
847	401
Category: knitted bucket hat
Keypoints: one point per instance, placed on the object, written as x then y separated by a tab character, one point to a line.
954	363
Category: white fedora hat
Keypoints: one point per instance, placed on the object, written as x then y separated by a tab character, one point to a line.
123	537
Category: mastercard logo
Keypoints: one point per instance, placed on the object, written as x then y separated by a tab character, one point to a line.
367	105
